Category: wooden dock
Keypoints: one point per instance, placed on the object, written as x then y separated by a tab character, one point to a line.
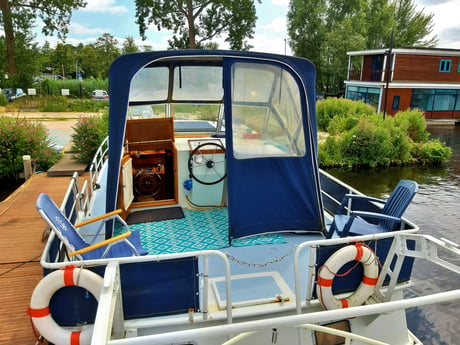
21	245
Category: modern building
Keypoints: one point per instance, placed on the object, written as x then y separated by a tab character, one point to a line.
401	79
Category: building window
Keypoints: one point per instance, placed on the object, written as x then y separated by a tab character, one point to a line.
435	99
395	104
444	65
369	95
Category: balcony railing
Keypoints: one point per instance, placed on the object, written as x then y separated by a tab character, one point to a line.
366	75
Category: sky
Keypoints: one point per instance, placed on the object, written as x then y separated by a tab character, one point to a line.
117	17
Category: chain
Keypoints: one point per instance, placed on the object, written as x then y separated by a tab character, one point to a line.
263	264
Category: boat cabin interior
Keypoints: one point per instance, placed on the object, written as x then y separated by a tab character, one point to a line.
214	131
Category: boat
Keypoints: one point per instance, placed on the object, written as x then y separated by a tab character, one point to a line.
211	161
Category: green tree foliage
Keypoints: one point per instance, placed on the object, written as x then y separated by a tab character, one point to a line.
196	22
107	51
19	16
359	137
324	30
129	46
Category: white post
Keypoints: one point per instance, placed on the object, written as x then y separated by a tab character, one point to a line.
27	166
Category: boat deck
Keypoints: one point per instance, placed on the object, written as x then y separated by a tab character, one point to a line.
20	249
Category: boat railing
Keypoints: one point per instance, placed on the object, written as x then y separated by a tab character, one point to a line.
333	191
96	165
423	247
426	247
109	326
204	254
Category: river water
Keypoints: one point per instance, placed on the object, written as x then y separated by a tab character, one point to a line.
435	209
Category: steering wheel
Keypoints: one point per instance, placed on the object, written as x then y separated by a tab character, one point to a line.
202	162
147	182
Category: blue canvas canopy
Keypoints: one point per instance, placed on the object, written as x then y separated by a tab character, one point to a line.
272	169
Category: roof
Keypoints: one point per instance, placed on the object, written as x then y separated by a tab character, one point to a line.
408	51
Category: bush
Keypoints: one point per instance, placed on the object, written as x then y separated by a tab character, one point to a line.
19	137
3	100
368	140
367	144
413	123
57	104
432	152
89	132
77	89
334	108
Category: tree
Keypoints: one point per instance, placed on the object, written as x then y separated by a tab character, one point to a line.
129	46
19	16
324	30
107	51
195	22
63	59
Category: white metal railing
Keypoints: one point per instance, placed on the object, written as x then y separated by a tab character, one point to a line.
427	247
96	165
285	321
109	322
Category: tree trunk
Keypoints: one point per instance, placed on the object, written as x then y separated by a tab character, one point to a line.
9	37
191	24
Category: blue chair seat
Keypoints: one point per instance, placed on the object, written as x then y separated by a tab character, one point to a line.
351	221
73	241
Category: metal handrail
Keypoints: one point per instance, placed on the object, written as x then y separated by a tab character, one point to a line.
98	161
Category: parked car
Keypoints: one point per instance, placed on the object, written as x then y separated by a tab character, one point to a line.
99	95
141	112
13	93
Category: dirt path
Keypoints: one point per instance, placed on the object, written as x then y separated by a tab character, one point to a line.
59	124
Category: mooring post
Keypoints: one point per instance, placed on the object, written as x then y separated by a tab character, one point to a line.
27	166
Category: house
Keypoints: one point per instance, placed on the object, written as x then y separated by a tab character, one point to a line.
401	79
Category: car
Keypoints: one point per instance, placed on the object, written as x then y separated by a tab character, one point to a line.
99	95
13	93
141	112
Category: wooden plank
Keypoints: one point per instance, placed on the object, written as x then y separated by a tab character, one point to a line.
21	245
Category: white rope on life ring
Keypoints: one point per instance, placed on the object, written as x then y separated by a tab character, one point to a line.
39	304
327	272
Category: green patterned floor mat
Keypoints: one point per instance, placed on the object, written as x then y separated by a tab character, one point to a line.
199	230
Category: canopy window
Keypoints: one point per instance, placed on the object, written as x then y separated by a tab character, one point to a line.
270	160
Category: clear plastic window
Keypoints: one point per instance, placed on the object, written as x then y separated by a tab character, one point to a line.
266	112
150	84
198	83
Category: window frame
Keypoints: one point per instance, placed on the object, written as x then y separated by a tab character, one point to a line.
445	65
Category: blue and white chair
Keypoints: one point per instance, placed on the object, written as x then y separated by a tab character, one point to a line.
118	246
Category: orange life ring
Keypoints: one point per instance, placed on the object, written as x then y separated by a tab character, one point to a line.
39	304
328	271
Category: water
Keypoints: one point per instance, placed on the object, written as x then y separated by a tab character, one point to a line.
435	209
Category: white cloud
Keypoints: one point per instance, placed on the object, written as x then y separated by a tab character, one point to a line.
445	21
81	29
104	6
278	24
269	44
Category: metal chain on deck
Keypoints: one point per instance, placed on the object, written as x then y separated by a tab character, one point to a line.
263	264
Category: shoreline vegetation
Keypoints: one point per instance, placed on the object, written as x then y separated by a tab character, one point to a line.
350	135
355	136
